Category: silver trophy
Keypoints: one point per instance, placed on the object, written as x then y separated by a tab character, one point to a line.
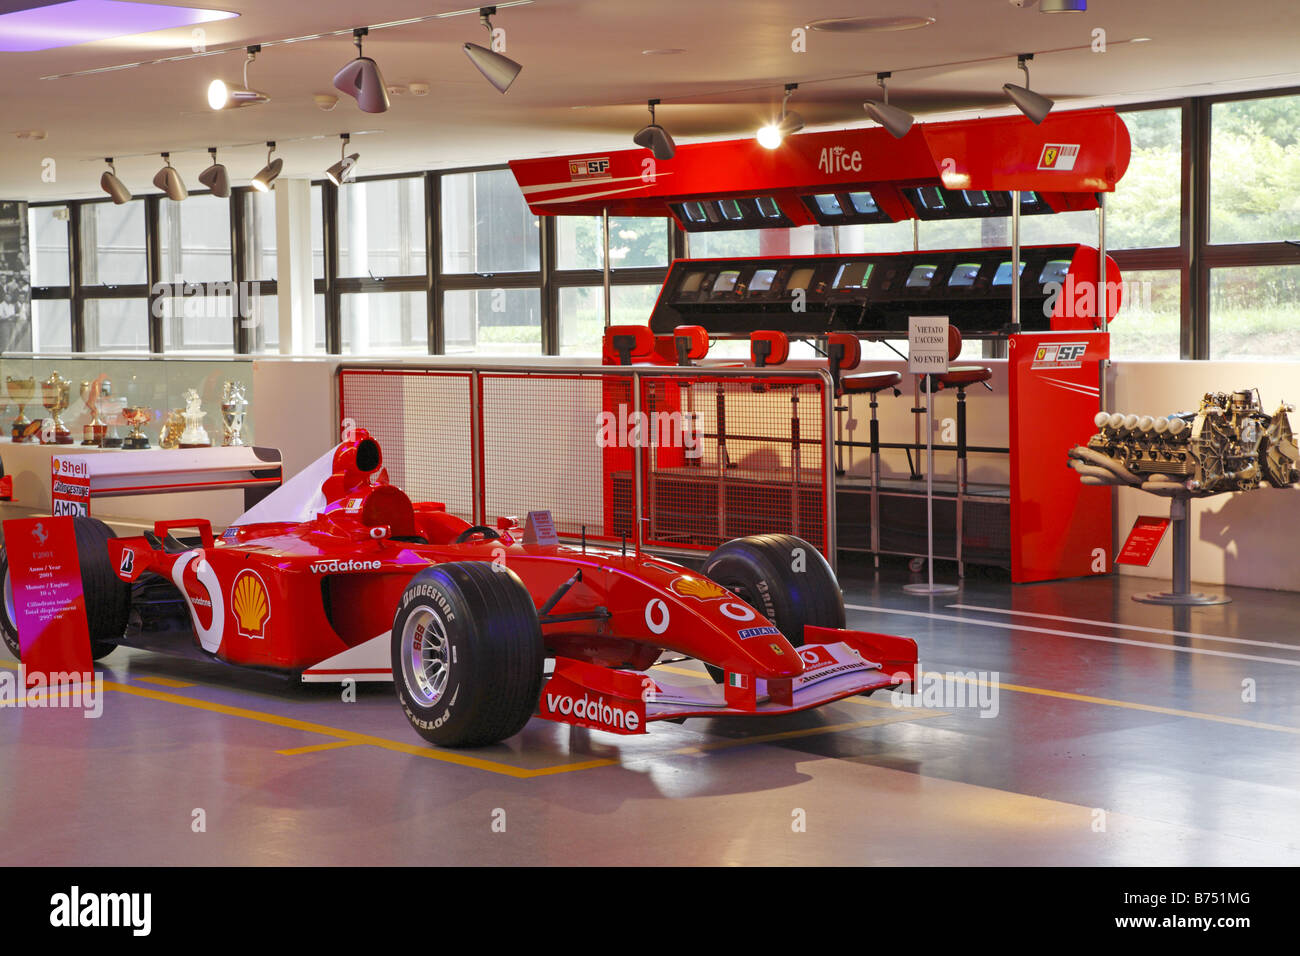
233	405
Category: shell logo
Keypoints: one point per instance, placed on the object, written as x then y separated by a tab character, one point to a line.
700	588
251	604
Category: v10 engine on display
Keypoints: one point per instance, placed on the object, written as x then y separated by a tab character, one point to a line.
1229	444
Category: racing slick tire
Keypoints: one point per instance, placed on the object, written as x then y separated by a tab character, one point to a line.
108	597
467	654
781	576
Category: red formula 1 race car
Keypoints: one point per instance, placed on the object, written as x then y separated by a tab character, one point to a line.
337	575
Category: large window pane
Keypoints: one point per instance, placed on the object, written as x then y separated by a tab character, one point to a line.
877	237
1255	170
48	244
259	233
200	323
264	320
195	239
634	243
52	325
117	325
112	243
381	228
1253	313
383	322
582	314
493	321
317	233
486	225
1147	325
1144	211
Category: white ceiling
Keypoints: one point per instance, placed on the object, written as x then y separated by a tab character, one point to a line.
585	78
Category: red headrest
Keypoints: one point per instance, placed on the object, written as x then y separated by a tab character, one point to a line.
639	337
850	346
697	340
954	343
775	350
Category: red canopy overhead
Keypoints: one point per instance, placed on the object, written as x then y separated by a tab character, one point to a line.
957	169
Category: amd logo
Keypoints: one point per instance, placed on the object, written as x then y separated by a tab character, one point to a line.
837	159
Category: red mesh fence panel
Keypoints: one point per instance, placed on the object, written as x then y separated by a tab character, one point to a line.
732	457
721	456
423	420
542	449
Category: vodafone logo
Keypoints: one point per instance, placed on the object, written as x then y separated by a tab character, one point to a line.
656	616
736	611
595	711
814	655
335	567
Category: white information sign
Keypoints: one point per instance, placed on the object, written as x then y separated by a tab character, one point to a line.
927	344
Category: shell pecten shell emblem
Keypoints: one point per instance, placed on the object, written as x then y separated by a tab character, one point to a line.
700	588
251	604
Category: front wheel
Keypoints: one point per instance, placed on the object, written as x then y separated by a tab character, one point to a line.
467	654
784	578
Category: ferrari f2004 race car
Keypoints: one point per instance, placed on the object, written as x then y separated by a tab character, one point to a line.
338	575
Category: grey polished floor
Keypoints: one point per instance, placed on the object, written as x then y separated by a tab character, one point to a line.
1073	726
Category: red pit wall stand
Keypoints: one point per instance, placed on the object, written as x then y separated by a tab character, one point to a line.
1057	522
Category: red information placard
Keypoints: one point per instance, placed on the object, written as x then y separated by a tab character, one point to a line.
49	607
1143	540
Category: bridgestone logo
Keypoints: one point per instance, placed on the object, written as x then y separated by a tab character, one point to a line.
335	567
76	491
596	711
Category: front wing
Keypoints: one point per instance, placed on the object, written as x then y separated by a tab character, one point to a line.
838	663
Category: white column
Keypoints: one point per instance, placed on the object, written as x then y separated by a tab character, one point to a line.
296	289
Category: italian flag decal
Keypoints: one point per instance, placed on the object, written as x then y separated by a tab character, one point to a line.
736	680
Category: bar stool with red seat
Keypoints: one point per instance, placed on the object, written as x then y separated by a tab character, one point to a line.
845	352
960	377
691	342
628	345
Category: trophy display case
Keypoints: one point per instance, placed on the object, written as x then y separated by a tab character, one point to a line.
90	397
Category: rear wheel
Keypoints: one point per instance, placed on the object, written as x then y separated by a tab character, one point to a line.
108	597
467	654
784	578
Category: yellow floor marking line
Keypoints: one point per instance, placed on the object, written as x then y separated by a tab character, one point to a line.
1129	705
317	748
165	682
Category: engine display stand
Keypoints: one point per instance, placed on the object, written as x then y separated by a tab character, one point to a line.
1181	593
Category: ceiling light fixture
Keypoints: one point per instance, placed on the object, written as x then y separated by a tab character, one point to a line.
215	177
1034	105
654	137
499	69
341	172
169	180
897	121
869	24
112	185
268	173
222	96
773	135
362	80
1063	6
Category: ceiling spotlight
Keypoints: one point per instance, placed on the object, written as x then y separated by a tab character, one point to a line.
325	101
215	176
774	134
362	80
499	69
654	137
169	181
341	172
1033	105
223	96
112	185
1063	6
897	121
270	172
